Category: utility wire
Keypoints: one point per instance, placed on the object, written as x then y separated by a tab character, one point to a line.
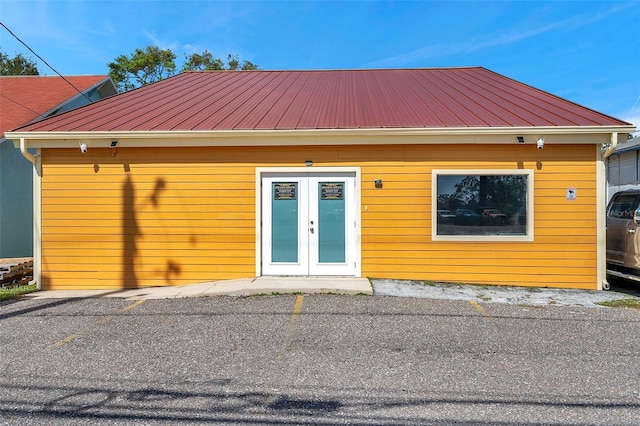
38	115
45	62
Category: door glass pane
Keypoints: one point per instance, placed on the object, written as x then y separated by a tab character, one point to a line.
331	222
284	222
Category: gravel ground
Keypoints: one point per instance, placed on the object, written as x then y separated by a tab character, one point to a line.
531	296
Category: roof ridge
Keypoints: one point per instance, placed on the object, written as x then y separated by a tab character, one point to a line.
341	69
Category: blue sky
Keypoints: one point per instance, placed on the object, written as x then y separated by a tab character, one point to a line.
584	51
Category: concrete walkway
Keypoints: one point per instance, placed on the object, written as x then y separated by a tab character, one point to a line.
529	296
239	287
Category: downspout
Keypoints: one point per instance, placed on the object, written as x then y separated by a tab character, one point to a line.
37	173
603	284
612	146
26	154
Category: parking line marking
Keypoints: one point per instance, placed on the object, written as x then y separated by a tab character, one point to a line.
297	308
104	321
478	308
133	305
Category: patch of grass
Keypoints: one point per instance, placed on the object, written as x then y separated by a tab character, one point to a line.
429	283
484	297
622	303
16	292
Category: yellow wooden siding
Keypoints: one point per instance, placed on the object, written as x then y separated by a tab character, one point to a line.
172	216
396	234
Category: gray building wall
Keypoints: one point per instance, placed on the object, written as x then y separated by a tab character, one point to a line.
16	203
623	167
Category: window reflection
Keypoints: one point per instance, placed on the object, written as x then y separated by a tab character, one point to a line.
481	204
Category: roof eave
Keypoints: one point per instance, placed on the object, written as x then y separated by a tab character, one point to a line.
463	135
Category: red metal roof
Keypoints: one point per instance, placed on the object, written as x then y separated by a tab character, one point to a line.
25	98
337	99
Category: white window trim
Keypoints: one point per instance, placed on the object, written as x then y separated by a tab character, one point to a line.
498	238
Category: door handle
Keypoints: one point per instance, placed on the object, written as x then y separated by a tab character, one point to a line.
311	230
631	231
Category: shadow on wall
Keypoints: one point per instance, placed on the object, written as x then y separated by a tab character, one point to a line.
132	233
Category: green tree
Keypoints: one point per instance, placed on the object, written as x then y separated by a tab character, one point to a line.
202	62
142	67
234	63
152	64
18	65
206	62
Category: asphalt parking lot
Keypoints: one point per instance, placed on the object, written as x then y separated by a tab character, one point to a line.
316	359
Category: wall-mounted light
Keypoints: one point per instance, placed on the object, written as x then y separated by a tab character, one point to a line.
520	139
114	145
540	143
378	183
308	163
83	147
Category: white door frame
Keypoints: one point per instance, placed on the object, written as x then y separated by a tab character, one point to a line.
260	171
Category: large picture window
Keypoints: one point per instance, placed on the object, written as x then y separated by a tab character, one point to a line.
493	205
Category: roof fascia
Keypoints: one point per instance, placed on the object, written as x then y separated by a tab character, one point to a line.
464	135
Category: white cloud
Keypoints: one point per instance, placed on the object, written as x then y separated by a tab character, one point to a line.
491	40
452	49
635	120
162	44
633	116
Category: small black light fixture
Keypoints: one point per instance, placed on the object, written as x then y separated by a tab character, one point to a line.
114	144
520	139
378	183
308	163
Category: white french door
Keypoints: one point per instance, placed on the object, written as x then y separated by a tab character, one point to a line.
308	224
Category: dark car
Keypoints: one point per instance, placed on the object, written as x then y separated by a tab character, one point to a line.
466	213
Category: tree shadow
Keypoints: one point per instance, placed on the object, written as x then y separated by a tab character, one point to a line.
221	402
130	234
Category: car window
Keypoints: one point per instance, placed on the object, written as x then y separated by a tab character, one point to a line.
622	207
